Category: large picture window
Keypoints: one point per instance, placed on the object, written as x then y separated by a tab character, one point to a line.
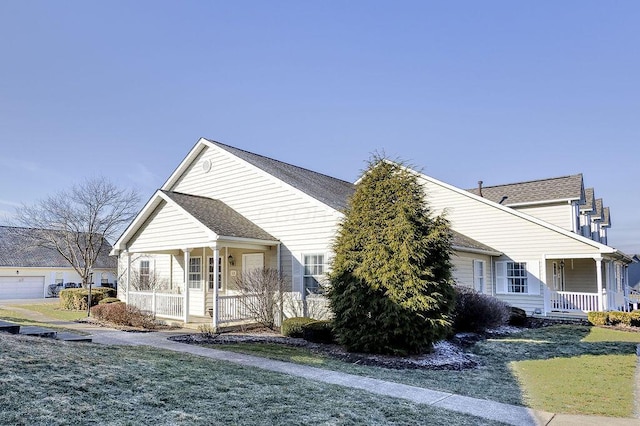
314	270
517	277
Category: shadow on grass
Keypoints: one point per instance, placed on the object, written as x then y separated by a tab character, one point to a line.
20	320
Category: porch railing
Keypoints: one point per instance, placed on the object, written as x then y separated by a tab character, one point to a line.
235	308
573	301
164	305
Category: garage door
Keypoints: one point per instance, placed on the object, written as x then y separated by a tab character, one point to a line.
21	287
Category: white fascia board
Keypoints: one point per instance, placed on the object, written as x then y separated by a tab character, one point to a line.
603	248
543	202
476	251
266	175
146	211
184	165
211	234
223	239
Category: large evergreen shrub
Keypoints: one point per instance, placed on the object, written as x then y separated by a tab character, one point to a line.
391	286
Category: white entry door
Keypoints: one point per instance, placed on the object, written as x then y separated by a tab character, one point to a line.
252	261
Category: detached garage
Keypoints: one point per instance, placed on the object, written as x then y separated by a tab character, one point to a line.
27	270
21	287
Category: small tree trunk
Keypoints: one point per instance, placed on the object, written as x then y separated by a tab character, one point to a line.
89	300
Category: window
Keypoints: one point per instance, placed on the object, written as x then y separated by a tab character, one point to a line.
144	273
517	277
478	275
210	277
195	273
59	278
314	270
104	278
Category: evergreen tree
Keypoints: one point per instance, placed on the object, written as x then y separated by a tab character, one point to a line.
391	286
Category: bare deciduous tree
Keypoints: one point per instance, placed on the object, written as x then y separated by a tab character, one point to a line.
262	289
78	223
150	282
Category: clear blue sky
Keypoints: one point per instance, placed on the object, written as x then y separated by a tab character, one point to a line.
501	91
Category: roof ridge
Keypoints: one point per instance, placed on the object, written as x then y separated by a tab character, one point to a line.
529	181
277	161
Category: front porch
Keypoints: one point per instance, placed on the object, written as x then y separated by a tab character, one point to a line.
579	285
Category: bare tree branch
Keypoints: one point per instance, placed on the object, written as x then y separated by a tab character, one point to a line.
79	223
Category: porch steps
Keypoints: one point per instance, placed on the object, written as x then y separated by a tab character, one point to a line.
67	336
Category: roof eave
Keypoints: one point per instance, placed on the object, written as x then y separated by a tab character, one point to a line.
477	251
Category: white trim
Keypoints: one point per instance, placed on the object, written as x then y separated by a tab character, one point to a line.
538	203
476	251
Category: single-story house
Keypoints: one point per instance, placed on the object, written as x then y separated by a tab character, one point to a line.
28	271
225	211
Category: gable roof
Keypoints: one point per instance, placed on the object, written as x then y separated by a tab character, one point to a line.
18	250
606	217
590	204
564	188
597	214
219	217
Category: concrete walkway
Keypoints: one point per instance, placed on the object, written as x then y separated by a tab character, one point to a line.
509	414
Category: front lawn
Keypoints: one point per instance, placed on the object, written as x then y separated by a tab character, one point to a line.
50	382
519	369
54	311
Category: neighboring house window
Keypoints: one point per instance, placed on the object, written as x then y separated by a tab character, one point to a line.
59	278
478	275
104	278
517	277
211	277
195	272
144	273
314	270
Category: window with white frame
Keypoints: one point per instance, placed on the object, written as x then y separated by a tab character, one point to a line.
144	273
195	272
59	278
211	272
478	275
517	277
314	272
104	278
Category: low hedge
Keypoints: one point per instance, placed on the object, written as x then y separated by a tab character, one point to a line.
120	313
475	312
631	319
292	327
77	298
107	300
318	332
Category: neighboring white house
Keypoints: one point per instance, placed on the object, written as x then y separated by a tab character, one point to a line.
224	211
27	271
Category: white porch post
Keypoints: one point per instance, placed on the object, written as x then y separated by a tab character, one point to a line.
128	275
280	296
185	308
216	262
599	282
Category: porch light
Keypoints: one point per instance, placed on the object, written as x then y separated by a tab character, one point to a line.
231	260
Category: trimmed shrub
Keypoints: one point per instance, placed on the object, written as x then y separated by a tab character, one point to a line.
77	298
318	332
108	300
616	317
292	327
518	317
119	313
635	318
598	318
475	312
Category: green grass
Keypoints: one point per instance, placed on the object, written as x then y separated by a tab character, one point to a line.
54	383
54	311
510	369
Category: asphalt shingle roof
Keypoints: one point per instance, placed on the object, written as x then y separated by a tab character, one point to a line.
331	191
462	241
606	219
18	249
559	188
597	214
589	204
219	217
